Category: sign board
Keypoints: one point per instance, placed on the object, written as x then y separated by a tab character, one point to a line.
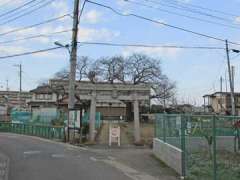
72	118
114	135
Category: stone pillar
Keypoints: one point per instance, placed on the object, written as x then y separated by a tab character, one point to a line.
137	137
92	119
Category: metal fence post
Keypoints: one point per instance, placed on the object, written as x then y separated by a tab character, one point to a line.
214	148
164	127
155	127
183	145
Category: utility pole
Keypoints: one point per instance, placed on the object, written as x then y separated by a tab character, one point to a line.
221	90
221	82
226	85
73	60
7	88
233	77
20	83
230	80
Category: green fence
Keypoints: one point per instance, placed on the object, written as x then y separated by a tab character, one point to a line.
38	118
210	144
49	132
98	122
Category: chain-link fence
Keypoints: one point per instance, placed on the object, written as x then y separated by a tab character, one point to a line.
208	145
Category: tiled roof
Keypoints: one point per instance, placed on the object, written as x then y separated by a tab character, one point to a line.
42	89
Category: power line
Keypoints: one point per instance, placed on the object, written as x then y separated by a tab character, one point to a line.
81	12
183	15
34	25
150	46
29	53
35	37
201	7
111	44
22	10
162	23
27	13
184	8
188	9
17	8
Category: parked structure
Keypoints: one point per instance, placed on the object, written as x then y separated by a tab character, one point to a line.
220	103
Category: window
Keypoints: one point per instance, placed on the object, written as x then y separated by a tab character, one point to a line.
44	96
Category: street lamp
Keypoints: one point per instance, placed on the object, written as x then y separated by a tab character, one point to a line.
66	46
235	50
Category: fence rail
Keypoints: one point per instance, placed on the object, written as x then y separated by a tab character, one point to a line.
209	145
48	132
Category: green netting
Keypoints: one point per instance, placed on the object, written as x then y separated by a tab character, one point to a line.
97	119
58	118
42	118
210	144
21	116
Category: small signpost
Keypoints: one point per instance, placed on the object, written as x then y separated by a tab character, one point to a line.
114	135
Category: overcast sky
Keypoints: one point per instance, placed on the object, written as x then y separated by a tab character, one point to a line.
196	72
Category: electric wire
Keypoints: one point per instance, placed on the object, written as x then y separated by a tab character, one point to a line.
182	15
186	9
150	46
35	37
162	23
30	52
27	13
17	8
184	4
34	25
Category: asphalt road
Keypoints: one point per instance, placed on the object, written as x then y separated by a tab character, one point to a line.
33	158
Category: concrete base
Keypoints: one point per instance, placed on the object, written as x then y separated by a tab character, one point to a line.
169	154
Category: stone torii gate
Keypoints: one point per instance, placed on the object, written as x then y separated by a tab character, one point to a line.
102	91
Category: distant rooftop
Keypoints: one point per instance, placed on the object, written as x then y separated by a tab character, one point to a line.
221	93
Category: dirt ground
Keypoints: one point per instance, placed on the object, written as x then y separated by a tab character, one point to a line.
147	132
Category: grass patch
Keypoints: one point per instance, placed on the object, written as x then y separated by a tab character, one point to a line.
200	166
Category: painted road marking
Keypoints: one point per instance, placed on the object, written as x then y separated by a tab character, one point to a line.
111	158
130	172
93	159
57	155
71	147
31	152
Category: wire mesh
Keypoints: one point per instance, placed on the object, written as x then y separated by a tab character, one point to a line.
210	144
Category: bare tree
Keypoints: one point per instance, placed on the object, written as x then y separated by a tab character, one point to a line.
82	67
164	91
143	69
112	68
62	74
137	69
43	82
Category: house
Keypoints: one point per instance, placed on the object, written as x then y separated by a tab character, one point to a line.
12	99
220	103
